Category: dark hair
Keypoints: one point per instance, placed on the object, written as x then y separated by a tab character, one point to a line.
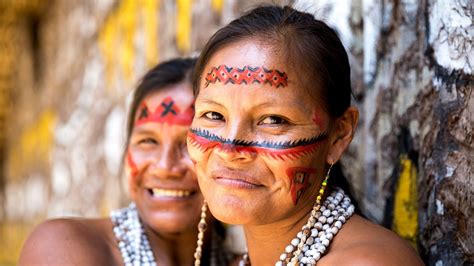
305	44
162	75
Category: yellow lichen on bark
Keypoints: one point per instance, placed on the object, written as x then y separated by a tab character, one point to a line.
117	37
217	5
183	25
405	213
34	145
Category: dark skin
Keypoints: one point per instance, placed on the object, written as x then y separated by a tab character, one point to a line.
257	188
169	214
92	242
74	241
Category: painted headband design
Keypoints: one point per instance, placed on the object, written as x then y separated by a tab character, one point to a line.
166	112
204	140
246	75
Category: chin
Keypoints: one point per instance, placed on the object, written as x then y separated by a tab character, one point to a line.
172	223
231	209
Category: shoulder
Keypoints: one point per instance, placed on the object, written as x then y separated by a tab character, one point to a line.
70	241
361	242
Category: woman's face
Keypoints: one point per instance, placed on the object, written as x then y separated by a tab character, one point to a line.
258	139
162	182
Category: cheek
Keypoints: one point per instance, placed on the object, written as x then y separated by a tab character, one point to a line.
296	177
198	153
138	161
131	165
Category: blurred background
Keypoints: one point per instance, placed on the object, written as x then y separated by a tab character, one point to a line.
67	69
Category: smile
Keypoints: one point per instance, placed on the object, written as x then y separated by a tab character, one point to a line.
236	179
177	193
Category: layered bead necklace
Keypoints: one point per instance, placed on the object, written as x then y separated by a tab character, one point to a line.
324	223
135	248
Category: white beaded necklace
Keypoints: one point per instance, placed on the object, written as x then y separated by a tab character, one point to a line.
325	221
132	240
135	248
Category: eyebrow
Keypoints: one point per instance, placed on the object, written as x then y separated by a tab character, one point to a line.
209	101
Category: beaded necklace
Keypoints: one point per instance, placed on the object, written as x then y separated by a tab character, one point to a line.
135	248
324	223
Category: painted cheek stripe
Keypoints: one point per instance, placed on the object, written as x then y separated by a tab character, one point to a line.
166	112
132	165
204	141
299	177
246	75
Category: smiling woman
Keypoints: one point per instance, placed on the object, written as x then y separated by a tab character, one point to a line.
161	224
272	117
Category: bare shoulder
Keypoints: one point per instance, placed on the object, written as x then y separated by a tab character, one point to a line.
361	242
70	241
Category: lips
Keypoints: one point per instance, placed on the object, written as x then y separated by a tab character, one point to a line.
165	192
236	179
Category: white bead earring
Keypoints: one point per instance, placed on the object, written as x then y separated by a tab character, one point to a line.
202	226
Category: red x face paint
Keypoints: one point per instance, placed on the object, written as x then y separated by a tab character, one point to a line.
299	178
246	75
204	140
166	112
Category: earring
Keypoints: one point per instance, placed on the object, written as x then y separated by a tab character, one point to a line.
323	186
311	221
202	226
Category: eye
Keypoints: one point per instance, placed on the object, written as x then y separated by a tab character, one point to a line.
273	120
147	141
213	116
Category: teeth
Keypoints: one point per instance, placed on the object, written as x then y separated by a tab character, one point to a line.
170	192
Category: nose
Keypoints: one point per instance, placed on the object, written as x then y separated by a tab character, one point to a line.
168	163
235	148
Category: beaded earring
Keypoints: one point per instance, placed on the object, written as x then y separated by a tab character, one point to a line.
312	219
202	226
323	186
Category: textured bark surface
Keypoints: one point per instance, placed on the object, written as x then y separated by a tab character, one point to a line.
417	107
67	67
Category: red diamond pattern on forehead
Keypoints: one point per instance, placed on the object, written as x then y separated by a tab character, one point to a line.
166	112
246	75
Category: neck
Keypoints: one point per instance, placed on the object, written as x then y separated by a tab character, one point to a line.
178	248
267	242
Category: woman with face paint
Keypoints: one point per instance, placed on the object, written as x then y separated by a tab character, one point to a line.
272	116
160	227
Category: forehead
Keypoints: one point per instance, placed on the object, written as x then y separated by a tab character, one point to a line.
251	53
181	95
244	53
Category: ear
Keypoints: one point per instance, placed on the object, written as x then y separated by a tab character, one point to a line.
343	132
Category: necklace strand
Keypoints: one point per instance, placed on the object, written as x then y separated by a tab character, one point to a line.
135	248
325	221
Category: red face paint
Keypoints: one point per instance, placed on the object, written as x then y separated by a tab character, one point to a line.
166	112
203	141
299	178
246	75
132	165
318	120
